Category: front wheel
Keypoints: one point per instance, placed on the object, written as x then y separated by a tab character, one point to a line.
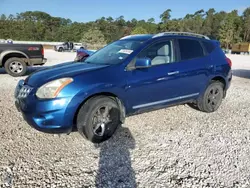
15	67
60	50
98	119
212	98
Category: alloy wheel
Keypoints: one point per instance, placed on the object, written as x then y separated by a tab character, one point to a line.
16	67
101	120
214	98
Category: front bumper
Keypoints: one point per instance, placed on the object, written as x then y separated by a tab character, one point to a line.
55	48
49	116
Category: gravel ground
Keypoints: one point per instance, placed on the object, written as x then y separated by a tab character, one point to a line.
174	147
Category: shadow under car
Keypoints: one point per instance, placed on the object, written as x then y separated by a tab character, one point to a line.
242	73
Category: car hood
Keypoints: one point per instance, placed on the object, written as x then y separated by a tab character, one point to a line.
69	69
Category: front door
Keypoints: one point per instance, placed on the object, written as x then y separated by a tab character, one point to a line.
157	85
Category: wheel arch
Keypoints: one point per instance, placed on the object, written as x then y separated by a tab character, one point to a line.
223	81
220	79
10	54
60	49
120	103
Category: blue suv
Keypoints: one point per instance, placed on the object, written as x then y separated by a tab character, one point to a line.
136	74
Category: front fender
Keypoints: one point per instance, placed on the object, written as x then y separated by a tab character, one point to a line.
84	94
57	47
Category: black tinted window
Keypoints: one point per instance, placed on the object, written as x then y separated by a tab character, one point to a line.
209	46
190	49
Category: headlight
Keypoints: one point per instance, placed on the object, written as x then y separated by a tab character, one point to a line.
52	89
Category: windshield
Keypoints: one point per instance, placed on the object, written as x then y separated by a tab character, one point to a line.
114	53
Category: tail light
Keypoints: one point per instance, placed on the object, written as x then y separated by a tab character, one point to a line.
33	48
229	61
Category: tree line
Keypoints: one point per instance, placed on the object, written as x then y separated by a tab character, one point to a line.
228	27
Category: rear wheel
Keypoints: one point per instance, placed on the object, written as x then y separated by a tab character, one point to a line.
15	67
212	98
98	119
60	49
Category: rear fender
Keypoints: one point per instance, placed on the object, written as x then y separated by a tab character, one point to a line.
220	78
8	52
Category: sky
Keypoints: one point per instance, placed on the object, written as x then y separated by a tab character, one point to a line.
84	11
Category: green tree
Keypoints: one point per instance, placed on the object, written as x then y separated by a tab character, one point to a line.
36	25
208	23
230	29
246	24
93	36
134	22
150	27
218	20
139	30
166	15
3	17
151	20
194	22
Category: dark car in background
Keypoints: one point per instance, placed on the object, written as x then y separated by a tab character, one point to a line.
82	54
15	58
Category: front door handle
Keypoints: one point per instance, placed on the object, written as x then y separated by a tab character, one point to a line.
174	72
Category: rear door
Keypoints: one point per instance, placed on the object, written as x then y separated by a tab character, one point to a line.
194	65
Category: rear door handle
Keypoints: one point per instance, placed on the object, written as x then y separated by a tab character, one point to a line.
174	72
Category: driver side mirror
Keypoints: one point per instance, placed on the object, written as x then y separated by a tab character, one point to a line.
142	63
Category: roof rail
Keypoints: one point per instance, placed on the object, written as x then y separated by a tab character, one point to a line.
128	36
181	33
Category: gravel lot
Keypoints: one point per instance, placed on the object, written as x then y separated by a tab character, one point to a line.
174	147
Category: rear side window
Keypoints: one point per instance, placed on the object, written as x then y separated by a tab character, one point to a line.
190	49
209	46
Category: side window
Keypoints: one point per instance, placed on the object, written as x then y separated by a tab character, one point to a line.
159	53
209	46
190	49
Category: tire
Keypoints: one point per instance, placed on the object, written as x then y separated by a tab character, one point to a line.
60	50
212	98
15	67
91	125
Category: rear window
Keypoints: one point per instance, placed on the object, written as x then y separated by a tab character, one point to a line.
190	49
209	46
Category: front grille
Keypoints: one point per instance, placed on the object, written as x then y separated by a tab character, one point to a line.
18	87
24	92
